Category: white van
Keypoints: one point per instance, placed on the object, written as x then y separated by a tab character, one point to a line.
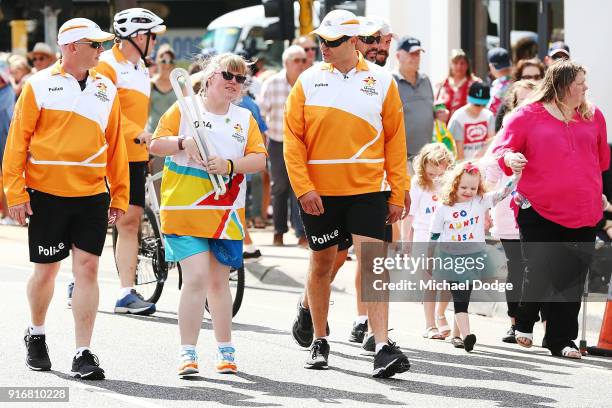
243	29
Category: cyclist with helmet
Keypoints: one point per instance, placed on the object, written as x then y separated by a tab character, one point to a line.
126	65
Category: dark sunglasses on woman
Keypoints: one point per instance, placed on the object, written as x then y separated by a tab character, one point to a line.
228	76
369	39
166	61
334	43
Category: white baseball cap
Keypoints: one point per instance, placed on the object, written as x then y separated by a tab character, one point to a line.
368	26
81	28
385	27
338	23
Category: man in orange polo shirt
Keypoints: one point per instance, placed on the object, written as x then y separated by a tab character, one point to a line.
63	142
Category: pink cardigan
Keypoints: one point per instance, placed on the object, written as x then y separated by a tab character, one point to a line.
562	178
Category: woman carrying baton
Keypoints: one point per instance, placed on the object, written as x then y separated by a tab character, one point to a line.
200	231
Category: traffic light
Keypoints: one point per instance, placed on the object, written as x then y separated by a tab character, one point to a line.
284	28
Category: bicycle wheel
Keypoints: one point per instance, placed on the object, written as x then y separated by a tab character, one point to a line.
151	267
236	283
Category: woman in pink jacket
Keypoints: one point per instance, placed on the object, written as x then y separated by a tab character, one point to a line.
559	141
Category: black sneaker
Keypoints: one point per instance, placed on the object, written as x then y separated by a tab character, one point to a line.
369	344
302	330
509	337
319	352
468	342
37	357
390	361
87	367
251	256
358	332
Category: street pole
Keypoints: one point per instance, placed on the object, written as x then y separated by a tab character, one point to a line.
50	18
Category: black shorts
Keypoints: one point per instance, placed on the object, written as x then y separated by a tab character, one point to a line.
348	242
138	178
57	223
363	214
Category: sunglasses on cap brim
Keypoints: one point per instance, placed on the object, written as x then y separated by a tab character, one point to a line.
334	43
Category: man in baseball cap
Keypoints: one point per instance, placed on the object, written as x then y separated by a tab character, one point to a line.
557	50
78	29
338	28
387	34
369	37
500	66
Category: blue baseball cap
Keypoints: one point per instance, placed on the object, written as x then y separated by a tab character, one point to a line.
409	44
559	47
499	58
479	94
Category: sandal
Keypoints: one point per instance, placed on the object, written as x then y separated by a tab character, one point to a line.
457	342
433	334
259	223
523	339
569	352
444	329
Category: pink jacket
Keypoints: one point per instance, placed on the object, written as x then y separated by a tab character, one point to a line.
562	178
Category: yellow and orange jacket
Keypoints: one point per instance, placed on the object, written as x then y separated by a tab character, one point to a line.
343	133
65	140
134	86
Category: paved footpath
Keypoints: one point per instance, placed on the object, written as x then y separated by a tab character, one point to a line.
139	354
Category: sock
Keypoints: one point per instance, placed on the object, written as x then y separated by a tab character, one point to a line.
379	347
222	345
322	338
80	351
361	319
124	292
186	347
250	248
302	304
36	330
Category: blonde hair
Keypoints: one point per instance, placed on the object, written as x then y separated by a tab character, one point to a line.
511	98
222	62
451	182
559	76
435	154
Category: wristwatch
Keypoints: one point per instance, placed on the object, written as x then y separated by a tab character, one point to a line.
181	139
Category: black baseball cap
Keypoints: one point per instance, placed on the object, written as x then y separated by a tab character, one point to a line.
479	94
409	44
559	47
499	58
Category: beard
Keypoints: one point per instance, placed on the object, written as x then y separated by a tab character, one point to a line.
381	57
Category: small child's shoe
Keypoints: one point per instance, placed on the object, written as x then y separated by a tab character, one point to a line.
226	362
189	363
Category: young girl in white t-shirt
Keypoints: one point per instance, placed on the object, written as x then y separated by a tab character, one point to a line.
429	166
458	224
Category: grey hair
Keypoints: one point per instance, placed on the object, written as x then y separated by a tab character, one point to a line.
290	51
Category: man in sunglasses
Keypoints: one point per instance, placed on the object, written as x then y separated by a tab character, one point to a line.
369	38
126	65
309	46
343	137
272	99
64	142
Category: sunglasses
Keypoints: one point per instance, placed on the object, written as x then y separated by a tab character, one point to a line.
167	62
228	76
532	77
334	43
41	58
300	60
313	49
559	55
93	44
369	39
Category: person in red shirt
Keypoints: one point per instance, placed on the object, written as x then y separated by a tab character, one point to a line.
453	91
564	139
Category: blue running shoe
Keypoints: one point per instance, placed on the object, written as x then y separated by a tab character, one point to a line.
226	361
189	363
134	303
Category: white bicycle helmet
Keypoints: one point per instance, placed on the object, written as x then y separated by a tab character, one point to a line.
130	22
